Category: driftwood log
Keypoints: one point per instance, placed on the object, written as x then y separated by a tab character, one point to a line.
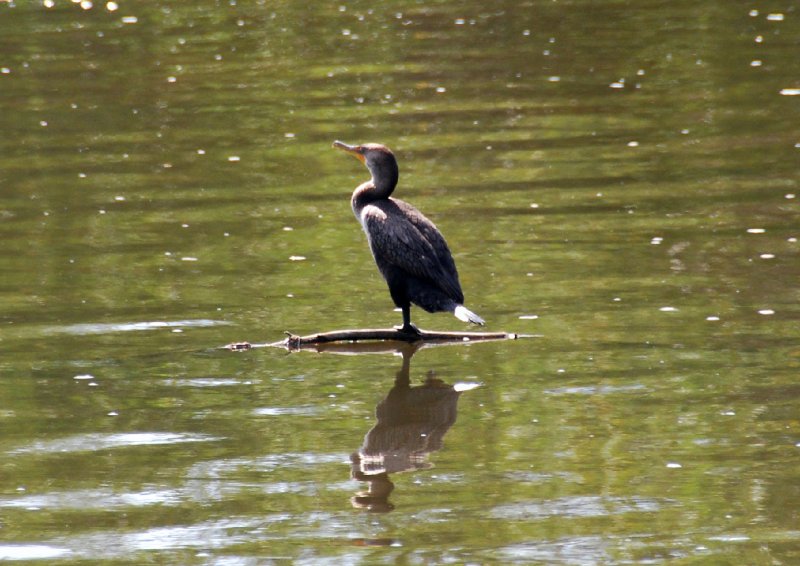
293	342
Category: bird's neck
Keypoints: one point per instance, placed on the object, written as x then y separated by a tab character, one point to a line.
384	179
364	194
380	187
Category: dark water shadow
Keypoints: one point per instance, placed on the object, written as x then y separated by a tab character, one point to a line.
411	424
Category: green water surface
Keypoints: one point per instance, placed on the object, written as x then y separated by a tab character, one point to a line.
617	180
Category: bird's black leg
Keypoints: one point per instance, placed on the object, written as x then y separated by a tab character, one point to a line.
407	326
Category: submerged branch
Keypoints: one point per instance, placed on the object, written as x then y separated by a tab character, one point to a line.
294	342
360	334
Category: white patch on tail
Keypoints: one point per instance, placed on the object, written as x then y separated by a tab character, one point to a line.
463	313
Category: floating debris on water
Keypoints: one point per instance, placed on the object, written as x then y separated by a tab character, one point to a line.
668	309
766	312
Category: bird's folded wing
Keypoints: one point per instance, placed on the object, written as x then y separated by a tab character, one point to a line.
407	246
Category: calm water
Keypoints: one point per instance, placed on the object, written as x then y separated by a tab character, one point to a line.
616	179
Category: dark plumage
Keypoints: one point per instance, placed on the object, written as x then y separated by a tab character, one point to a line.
410	252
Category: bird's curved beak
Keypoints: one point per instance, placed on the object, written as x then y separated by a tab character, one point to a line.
351	149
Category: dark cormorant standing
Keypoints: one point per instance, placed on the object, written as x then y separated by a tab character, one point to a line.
410	252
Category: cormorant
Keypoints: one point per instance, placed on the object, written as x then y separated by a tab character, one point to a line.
409	250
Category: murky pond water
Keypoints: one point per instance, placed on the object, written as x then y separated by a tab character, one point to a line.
617	180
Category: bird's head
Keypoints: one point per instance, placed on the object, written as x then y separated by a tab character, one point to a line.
379	160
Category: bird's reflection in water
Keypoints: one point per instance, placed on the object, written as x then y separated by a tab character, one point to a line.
412	422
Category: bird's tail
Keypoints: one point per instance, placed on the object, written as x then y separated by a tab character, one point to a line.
463	313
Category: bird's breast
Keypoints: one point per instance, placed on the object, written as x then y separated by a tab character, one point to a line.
371	215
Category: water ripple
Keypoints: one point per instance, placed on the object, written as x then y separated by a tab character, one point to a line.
30	552
572	550
108	328
92	499
588	506
98	441
596	389
280	411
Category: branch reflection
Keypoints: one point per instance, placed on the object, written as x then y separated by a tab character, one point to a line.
412	422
